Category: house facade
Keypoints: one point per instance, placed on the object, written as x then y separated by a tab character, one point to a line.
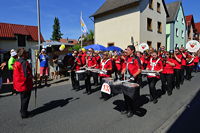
14	36
120	23
190	27
176	26
197	26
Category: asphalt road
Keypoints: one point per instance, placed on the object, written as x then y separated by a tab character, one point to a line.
63	110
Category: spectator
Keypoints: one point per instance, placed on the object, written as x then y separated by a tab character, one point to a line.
44	69
11	61
1	69
22	80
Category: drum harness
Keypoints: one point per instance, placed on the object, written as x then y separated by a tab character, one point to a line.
153	64
103	64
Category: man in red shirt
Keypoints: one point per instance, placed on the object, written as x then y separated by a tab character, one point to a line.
131	67
177	69
183	64
189	65
22	80
155	64
167	74
76	67
91	62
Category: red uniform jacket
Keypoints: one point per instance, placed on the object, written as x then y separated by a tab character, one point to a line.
83	58
167	68
98	58
22	76
91	61
79	61
196	59
158	66
132	64
104	65
191	63
178	64
118	63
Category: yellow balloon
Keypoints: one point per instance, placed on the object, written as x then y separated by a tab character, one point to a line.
62	47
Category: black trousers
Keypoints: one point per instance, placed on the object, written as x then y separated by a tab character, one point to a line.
88	82
131	103
182	74
10	75
152	87
25	97
95	77
195	66
177	76
75	82
189	72
167	82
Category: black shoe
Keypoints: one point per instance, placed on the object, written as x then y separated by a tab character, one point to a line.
169	93
101	97
150	99
163	92
155	101
124	112
130	114
24	115
178	87
89	93
85	92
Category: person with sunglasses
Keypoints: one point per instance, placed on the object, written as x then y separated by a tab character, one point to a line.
167	74
155	64
177	69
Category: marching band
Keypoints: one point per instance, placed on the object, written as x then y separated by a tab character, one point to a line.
129	66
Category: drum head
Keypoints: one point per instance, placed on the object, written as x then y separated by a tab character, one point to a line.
80	71
131	85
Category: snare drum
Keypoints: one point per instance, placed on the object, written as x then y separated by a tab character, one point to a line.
81	75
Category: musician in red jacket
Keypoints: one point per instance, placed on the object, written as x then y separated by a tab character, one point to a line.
177	69
167	74
22	80
76	67
106	66
189	65
91	62
131	67
155	64
183	64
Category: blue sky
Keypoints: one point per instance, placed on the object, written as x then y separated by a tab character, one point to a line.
68	12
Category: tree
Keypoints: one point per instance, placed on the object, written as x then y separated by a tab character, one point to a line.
89	38
56	34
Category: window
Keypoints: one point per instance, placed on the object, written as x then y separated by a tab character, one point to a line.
110	44
182	20
158	45
151	4
182	33
149	43
159	27
177	32
149	24
177	19
21	41
158	8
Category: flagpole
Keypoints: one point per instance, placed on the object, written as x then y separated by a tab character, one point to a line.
39	42
81	34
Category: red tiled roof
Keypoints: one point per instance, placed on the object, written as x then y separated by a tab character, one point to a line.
71	41
189	18
197	26
10	30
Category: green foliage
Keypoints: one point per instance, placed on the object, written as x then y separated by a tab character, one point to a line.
89	37
56	34
75	47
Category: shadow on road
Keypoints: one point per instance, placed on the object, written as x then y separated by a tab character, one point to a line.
142	100
189	120
51	105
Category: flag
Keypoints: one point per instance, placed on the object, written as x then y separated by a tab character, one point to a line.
83	26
